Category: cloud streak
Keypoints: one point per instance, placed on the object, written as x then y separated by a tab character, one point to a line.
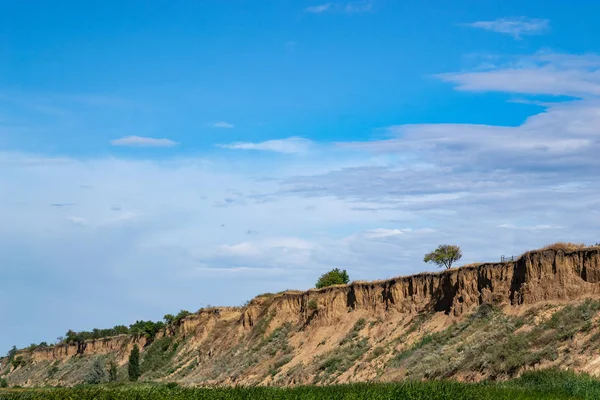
139	141
352	7
292	145
223	124
318	9
516	27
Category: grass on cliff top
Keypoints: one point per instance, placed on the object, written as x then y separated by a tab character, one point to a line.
551	385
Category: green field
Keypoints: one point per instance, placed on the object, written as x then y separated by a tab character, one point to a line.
537	385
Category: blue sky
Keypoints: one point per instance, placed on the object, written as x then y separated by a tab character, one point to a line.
158	157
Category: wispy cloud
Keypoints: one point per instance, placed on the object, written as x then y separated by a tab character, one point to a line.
287	146
223	124
352	7
514	26
318	9
542	73
529	228
138	141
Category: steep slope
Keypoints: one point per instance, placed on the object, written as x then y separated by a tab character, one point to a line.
537	311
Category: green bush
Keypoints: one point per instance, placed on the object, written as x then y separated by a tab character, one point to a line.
97	373
333	277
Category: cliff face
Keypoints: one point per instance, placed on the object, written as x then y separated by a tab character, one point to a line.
282	338
536	276
117	345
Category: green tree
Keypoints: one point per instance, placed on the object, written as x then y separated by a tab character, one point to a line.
333	277
169	318
444	255
134	364
3	383
112	372
97	374
12	353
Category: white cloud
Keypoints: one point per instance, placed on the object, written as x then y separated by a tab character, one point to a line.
382	233
287	146
223	124
529	228
542	73
138	141
318	9
515	27
358	6
350	7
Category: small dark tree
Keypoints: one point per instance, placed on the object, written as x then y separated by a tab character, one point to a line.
169	318
12	353
180	316
134	364
97	374
333	277
444	255
3	383
112	372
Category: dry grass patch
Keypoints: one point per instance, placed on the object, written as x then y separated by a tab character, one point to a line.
565	246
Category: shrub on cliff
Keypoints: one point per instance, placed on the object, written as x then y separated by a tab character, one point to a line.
112	372
97	374
3	383
444	255
134	364
333	277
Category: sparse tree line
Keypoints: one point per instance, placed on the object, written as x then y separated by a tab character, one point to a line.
443	256
147	329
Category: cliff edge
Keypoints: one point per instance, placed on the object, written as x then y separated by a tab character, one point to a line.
427	325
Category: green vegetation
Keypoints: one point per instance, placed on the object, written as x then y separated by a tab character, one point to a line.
444	255
52	371
338	361
112	372
492	343
544	385
158	355
3	383
97	374
133	368
333	277
175	320
149	329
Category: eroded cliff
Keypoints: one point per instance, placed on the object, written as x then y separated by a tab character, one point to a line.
355	332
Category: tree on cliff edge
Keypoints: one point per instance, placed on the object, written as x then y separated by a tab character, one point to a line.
444	255
134	364
333	277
